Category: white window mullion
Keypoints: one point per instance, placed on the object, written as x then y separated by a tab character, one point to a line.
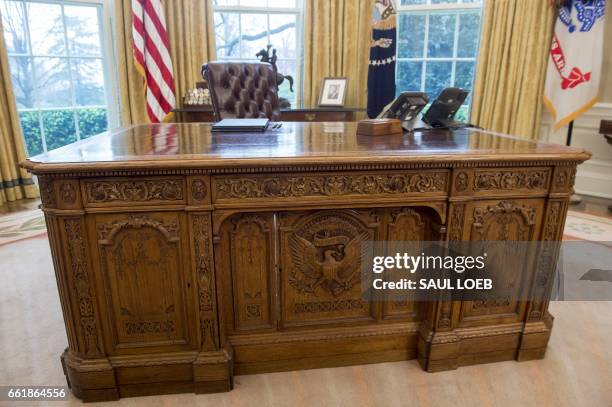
70	77
455	50
425	54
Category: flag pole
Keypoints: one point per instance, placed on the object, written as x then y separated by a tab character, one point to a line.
570	130
575	198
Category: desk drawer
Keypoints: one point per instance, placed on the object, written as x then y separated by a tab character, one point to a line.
134	191
247	190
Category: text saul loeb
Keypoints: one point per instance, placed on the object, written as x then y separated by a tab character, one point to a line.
436	265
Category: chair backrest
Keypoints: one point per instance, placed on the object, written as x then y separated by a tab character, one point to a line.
242	90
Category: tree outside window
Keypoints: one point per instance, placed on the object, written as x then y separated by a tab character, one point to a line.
58	70
244	27
437	46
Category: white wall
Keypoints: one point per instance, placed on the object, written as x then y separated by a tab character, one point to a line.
594	176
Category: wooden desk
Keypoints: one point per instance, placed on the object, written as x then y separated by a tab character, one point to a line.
203	114
175	257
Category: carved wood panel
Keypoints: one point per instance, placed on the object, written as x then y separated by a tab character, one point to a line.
501	181
320	258
405	224
504	220
232	189
202	258
134	192
245	269
145	269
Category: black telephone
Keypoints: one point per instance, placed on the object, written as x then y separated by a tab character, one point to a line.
405	107
445	107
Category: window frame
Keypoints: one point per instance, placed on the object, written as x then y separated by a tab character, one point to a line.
433	9
298	11
107	57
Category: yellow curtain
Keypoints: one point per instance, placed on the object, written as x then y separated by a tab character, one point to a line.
337	43
192	43
15	183
131	86
191	33
509	83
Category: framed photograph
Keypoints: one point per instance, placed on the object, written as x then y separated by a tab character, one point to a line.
333	92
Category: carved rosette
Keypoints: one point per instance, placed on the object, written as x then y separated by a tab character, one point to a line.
564	179
333	185
203	256
82	286
134	191
461	181
198	190
47	194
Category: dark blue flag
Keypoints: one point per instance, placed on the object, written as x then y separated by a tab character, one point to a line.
381	72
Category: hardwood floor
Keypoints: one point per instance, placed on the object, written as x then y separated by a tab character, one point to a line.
572	373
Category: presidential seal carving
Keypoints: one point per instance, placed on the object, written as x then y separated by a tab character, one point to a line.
326	252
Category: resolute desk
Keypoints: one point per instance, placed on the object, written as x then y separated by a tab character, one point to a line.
180	254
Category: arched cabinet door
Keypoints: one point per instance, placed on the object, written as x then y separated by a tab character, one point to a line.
501	220
146	277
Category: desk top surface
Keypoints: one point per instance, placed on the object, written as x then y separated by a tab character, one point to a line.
188	145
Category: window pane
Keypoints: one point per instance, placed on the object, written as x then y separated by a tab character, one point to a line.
287	68
30	126
52	82
254	34
282	35
411	35
443	1
46	29
92	122
225	2
253	3
59	128
82	28
441	35
88	80
226	35
23	83
13	21
437	77
409	76
469	31
464	73
411	2
282	4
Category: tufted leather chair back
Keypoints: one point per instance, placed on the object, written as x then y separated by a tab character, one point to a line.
242	90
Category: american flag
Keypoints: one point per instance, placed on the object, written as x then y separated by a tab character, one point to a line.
152	57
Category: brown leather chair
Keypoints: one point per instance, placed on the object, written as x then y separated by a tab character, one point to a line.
242	90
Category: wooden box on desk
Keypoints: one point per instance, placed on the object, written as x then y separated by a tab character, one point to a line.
379	127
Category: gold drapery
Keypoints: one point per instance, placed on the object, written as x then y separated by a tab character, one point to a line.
509	83
15	183
192	43
337	43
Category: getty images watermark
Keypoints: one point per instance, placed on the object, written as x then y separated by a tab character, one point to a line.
486	271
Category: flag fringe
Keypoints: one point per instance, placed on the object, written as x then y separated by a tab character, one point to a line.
572	116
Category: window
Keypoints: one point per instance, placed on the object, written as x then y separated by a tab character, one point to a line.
244	27
59	70
437	46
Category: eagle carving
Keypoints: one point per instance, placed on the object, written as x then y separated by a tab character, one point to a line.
329	262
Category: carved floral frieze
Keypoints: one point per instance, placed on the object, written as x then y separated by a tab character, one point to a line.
511	180
134	191
332	185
